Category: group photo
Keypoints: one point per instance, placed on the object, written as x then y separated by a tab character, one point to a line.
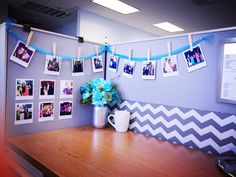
24	113
24	89
46	111
65	109
52	65
149	68
47	89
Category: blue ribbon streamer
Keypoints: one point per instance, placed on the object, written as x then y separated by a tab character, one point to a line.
105	48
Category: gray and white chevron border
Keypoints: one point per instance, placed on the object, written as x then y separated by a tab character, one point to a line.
212	132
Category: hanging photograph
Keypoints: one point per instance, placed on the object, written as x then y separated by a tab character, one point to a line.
52	65
128	69
169	66
23	113
65	108
46	111
47	89
77	67
194	59
97	64
149	70
113	63
66	88
22	55
24	89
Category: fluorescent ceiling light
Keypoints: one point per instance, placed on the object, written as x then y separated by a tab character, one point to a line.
168	27
116	5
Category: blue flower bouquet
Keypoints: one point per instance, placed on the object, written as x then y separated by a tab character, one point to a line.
99	92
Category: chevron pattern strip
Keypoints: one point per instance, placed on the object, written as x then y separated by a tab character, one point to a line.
212	132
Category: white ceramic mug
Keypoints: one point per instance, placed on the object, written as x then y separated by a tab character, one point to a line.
121	119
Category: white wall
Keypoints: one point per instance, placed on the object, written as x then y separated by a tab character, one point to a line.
94	28
3	47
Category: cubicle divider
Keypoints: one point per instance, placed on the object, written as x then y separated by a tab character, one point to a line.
181	108
30	110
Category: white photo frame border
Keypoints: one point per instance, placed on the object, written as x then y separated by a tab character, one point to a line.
77	73
55	73
63	117
95	70
44	119
170	74
197	66
64	95
47	96
20	122
24	97
19	61
149	77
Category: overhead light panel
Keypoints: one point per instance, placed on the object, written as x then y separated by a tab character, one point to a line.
117	6
168	27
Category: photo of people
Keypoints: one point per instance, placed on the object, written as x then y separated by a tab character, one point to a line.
22	55
66	88
149	70
65	108
47	89
194	59
46	111
24	89
169	66
23	113
113	63
97	64
128	68
52	65
77	67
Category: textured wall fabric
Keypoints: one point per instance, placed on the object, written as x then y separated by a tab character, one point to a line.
212	132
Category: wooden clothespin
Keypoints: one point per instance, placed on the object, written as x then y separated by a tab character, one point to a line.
79	53
113	50
130	54
29	39
106	40
190	40
148	54
96	47
169	46
54	49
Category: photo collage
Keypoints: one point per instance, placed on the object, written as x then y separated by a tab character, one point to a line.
25	89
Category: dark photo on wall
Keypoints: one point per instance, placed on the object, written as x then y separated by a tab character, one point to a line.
52	65
128	68
194	59
24	89
113	63
46	111
23	113
65	108
47	89
77	67
149	70
97	64
22	55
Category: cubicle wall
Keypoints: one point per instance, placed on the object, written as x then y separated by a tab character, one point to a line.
2	79
182	109
67	46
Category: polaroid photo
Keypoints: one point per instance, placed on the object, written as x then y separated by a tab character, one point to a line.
128	69
23	113
66	88
149	70
52	65
47	89
77	67
194	59
65	108
46	111
169	66
97	64
24	89
22	55
113	63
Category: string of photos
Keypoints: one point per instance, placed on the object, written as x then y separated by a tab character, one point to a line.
192	53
